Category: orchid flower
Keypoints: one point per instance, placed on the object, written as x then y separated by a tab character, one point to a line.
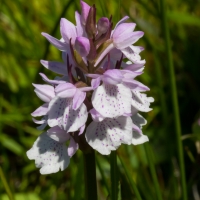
97	78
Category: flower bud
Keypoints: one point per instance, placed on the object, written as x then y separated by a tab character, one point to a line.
82	46
103	25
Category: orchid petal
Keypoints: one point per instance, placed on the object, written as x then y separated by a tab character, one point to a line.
79	28
95	82
42	110
135	85
139	138
81	130
85	8
112	100
123	29
44	92
138	120
57	67
67	30
55	42
65	90
109	134
96	116
42	121
82	46
112	77
49	155
58	134
141	102
132	53
61	113
53	82
124	41
78	99
120	22
73	147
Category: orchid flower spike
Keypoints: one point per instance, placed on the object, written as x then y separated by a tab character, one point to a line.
95	100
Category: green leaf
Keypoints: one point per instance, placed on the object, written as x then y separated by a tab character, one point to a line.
183	18
10	144
22	196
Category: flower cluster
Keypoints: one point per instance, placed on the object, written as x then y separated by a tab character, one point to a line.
95	101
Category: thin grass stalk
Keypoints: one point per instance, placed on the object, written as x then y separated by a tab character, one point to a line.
160	84
5	184
174	97
103	176
150	159
114	175
131	181
90	176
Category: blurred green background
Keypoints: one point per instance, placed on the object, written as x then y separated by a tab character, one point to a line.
21	48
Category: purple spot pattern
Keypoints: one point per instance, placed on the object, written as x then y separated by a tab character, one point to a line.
112	100
49	155
109	134
62	114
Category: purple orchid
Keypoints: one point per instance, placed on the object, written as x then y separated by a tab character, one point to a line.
97	76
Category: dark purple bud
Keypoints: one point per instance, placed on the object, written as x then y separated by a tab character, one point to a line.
90	26
82	45
103	25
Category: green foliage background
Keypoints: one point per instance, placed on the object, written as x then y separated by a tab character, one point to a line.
21	48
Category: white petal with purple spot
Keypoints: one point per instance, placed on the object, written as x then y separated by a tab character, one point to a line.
141	102
112	100
49	155
109	134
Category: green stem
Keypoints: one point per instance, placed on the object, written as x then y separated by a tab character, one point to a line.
90	176
174	98
150	159
131	181
114	175
5	183
103	176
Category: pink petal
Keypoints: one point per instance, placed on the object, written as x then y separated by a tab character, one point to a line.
82	46
67	30
73	147
44	92
53	82
65	90
81	130
96	116
85	8
42	110
123	29
112	76
135	85
78	99
95	82
57	67
124	41
57	43
58	134
79	28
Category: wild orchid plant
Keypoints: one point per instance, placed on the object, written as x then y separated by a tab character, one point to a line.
95	103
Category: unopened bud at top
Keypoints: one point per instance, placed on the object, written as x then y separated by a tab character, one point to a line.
103	25
82	46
